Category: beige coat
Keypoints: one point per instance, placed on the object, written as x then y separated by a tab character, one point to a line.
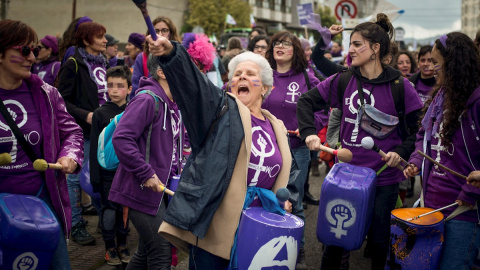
220	235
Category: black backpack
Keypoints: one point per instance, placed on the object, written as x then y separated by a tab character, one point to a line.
398	94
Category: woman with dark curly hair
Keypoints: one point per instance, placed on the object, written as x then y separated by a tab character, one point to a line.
290	80
405	62
453	139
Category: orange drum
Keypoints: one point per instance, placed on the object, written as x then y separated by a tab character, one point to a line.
415	244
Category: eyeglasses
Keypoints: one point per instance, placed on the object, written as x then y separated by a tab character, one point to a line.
116	85
258	47
163	30
285	44
25	50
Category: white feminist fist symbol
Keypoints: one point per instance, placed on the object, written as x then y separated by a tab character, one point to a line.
341	214
293	88
262	142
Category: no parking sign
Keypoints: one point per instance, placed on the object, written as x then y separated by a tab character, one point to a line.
345	9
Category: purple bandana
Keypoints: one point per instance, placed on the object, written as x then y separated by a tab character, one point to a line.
434	116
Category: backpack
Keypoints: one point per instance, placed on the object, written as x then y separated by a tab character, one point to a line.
398	93
107	158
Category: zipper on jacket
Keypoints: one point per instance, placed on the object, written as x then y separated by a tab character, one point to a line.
67	234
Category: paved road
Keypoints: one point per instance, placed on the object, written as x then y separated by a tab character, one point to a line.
92	257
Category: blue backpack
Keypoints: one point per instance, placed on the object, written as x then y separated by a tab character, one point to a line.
107	158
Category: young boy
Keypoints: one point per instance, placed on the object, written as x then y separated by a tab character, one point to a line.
119	84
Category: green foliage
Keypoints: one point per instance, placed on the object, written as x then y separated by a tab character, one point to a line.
211	14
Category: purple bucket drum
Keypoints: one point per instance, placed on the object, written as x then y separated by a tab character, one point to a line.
346	205
29	232
267	240
415	244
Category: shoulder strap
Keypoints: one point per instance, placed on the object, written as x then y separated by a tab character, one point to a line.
18	134
76	65
149	136
398	94
53	68
307	80
345	77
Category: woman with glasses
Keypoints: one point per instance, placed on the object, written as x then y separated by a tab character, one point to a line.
39	112
164	27
83	85
47	64
259	44
290	80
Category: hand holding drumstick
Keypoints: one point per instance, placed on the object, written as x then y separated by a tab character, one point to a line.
474	179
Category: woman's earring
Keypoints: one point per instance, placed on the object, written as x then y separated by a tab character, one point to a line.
373	56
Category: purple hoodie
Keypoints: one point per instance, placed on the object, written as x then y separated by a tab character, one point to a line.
282	101
129	141
47	71
462	155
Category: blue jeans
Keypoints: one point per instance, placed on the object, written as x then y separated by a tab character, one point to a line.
302	157
200	259
75	192
60	259
462	242
154	251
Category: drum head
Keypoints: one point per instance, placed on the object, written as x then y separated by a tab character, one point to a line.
406	213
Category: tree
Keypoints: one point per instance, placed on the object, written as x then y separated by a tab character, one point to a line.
211	14
328	18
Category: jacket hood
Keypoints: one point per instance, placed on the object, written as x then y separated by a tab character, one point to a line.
473	97
389	74
152	85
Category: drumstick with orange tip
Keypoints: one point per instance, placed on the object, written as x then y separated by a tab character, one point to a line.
41	165
431	212
344	155
5	159
440	165
294	132
166	190
368	143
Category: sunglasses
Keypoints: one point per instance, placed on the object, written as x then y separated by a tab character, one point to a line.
25	50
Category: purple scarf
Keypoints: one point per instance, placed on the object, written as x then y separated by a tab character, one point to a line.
434	116
90	59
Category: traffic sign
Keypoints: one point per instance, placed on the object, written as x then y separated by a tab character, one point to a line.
346	9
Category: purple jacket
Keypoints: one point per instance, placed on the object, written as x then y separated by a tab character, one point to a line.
47	71
62	138
442	188
129	141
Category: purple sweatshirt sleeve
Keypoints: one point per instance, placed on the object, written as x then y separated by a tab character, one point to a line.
137	73
416	158
137	117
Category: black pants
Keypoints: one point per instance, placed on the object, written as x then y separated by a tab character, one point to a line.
111	220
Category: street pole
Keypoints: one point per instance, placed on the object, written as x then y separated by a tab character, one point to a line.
4	9
74	9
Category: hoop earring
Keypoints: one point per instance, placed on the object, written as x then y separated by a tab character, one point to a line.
373	57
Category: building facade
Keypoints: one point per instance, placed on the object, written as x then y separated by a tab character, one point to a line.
470	17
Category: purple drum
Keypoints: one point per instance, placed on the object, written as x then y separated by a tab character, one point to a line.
346	206
267	240
29	232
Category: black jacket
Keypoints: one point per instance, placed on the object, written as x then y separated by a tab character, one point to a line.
101	118
215	138
78	90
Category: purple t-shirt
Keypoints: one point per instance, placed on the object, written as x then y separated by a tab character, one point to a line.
19	177
352	134
176	127
282	101
265	158
100	73
423	90
47	71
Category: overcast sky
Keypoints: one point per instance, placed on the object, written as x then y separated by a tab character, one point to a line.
427	18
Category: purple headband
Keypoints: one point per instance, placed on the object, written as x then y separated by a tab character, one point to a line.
443	40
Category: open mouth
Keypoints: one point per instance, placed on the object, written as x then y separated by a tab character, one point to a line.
243	90
280	53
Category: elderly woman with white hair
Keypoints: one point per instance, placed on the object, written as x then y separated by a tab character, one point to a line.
222	170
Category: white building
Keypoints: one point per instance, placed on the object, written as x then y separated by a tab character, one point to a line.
470	17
